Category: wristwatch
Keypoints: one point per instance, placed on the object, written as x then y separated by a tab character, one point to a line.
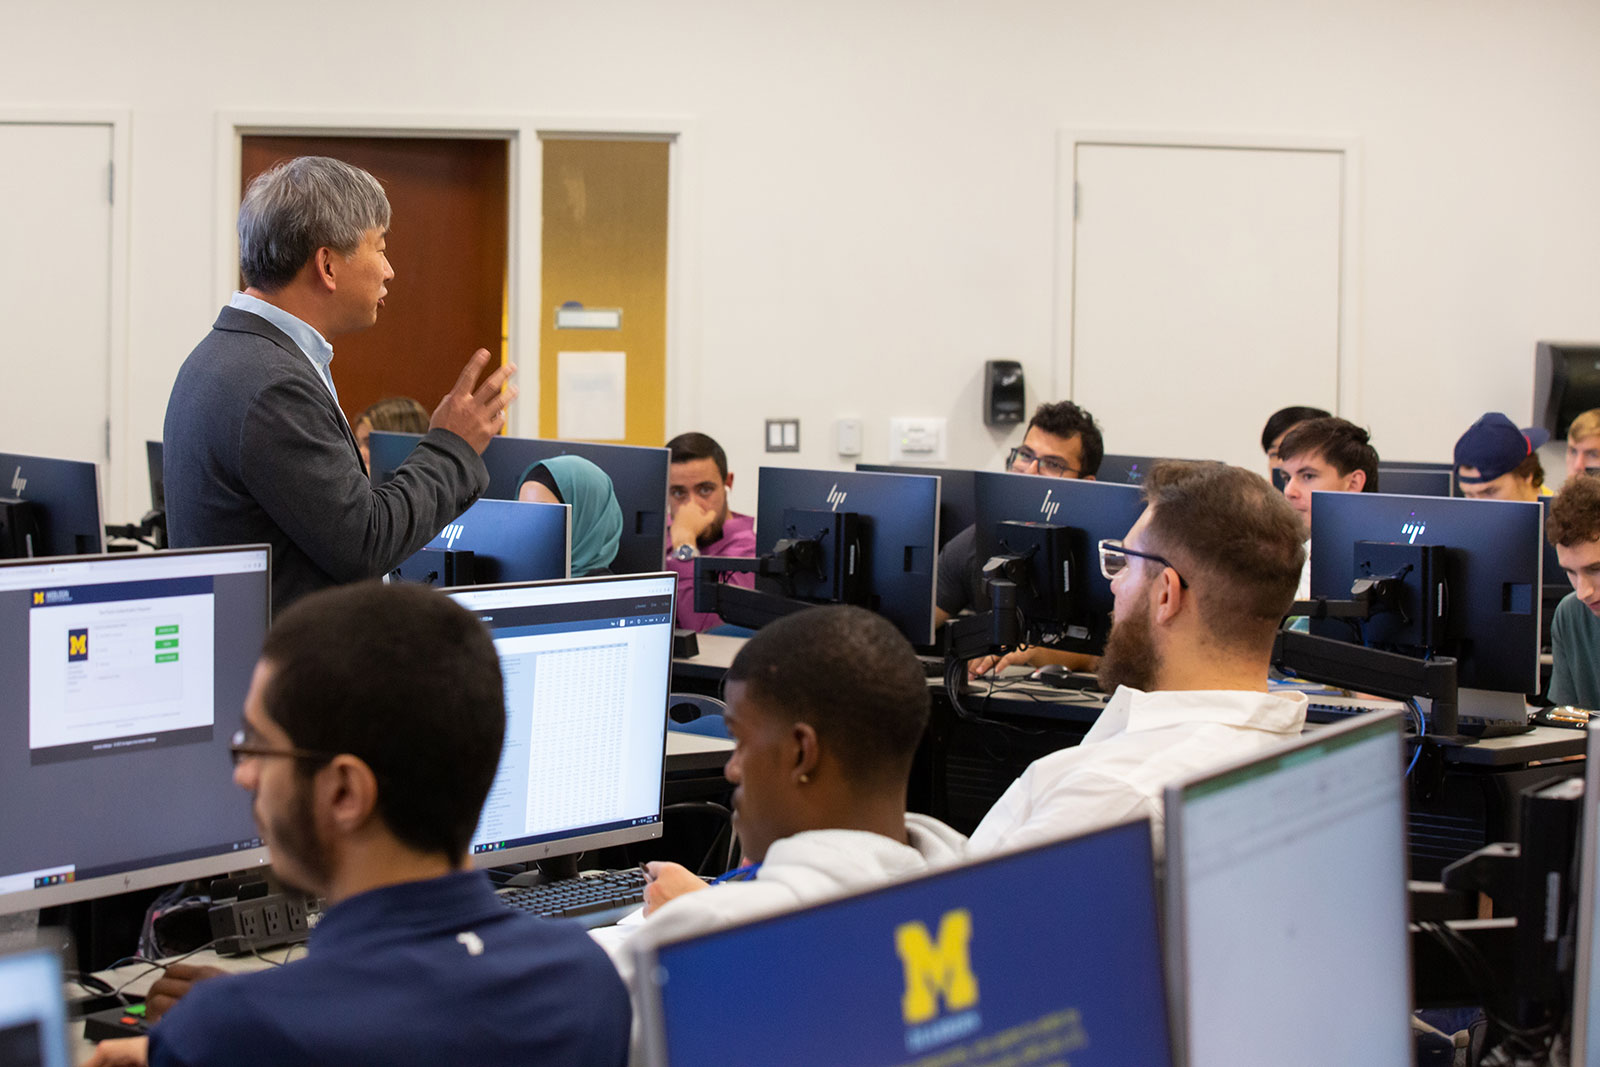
684	553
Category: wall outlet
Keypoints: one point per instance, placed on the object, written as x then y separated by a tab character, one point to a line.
917	441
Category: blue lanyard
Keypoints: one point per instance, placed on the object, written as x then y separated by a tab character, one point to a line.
738	874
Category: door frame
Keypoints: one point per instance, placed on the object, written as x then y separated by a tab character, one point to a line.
116	493
1348	355
524	241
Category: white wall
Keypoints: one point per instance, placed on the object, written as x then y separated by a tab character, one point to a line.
873	181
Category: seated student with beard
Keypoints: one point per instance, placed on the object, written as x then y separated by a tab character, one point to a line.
700	522
372	732
1201	581
825	708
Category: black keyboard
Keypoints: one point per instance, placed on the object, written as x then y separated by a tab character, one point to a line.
571	898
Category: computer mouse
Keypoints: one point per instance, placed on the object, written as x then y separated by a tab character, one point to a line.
1058	676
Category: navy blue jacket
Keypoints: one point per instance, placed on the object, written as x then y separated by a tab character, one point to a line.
257	451
431	973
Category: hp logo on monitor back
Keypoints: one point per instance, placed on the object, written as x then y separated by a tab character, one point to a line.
451	532
1413	530
835	497
1049	508
18	482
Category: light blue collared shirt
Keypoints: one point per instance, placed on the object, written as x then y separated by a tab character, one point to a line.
317	350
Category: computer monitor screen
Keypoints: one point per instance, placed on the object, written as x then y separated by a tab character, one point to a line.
1069	596
890	569
638	477
153	462
1416	479
126	677
957	507
1044	956
33	1022
1125	470
495	541
1286	903
587	666
60	507
1586	943
1477	599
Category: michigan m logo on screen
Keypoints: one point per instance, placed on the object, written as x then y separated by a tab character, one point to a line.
77	645
938	969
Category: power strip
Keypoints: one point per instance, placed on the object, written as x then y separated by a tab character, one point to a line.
240	927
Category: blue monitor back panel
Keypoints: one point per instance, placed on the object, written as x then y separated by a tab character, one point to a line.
1495	579
510	541
638	476
1100	510
957	507
903	511
1050	952
66	497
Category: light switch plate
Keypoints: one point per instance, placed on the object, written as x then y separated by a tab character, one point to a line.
783	435
917	441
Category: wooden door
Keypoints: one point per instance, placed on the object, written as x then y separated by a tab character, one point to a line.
447	244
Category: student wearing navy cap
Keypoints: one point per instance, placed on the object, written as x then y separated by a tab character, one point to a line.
1497	461
372	732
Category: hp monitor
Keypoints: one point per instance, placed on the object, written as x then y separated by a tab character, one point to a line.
33	1017
126	677
638	476
1054	526
495	541
1465	577
587	666
1286	904
49	507
957	507
877	537
1044	956
1417	479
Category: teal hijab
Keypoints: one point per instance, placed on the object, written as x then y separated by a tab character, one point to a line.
596	515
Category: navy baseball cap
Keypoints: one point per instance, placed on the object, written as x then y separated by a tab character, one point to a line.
1495	446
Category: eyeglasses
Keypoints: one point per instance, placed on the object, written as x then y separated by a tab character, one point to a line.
1027	457
1114	560
240	748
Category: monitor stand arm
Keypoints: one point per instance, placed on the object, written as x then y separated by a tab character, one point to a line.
752	607
1384	674
1368	597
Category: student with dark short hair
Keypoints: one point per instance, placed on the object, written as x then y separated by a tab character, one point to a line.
1280	423
372	732
1201	582
1573	526
1329	455
825	708
700	522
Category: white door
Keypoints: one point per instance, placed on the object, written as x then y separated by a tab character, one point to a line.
55	290
1205	293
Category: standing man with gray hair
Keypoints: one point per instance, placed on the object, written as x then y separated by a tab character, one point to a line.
256	447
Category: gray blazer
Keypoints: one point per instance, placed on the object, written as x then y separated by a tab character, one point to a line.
256	450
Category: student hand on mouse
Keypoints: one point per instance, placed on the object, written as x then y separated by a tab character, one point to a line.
690	521
1022	657
668	881
120	1052
171	986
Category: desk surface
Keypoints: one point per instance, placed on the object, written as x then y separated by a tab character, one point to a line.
715	657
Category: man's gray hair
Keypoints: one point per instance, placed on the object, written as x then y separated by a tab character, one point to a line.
299	206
